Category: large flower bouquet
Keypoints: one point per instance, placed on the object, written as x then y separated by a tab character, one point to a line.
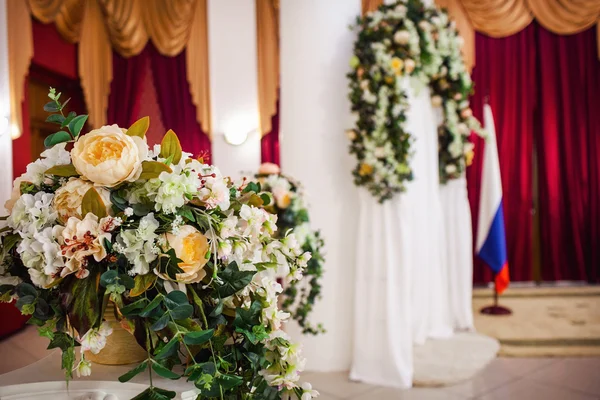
179	249
402	44
289	204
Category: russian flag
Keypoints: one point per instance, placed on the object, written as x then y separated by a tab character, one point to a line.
491	238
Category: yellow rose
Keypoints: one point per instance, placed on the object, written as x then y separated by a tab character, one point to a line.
190	246
397	65
67	199
108	156
469	157
365	169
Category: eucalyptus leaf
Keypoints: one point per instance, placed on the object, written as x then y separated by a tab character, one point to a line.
169	349
161	322
56	138
51	106
198	338
55	119
77	124
153	304
182	312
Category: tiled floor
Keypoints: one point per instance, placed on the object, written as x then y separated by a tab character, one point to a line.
504	378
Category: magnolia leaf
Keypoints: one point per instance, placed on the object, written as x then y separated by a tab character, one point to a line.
152	169
139	127
142	283
170	147
76	124
92	203
56	138
62	170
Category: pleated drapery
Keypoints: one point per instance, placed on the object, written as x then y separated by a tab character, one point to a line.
98	26
267	48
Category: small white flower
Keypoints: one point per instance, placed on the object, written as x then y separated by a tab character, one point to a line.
84	368
128	212
402	37
94	340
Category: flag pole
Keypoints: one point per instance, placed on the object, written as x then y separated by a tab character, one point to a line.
495	309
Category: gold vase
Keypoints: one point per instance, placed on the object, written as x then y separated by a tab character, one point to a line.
121	347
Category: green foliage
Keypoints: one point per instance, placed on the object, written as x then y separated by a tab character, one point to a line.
73	122
82	302
92	203
152	169
126	377
233	280
139	127
170	147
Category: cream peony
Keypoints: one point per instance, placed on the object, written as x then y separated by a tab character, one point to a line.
67	199
190	246
108	156
83	238
268	168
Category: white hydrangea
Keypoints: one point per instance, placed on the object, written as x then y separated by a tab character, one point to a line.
56	155
41	254
174	190
32	212
138	245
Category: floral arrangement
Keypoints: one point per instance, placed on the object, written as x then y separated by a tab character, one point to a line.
182	252
406	40
290	206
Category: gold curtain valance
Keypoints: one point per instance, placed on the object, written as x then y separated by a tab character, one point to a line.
125	25
267	48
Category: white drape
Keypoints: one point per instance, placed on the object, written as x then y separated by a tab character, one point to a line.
401	282
459	242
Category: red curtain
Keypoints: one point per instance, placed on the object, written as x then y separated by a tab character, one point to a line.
505	72
269	144
126	88
569	155
177	109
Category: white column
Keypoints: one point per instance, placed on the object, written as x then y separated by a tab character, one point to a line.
233	84
6	170
316	47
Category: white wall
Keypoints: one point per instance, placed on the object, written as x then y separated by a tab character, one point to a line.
233	83
316	47
5	140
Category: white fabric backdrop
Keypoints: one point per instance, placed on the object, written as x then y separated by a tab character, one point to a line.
6	170
401	281
459	241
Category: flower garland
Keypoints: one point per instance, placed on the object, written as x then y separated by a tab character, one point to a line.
397	41
292	216
182	252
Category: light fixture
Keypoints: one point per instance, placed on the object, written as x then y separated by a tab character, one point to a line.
237	137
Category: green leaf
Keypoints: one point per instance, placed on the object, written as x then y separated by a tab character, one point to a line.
81	300
198	338
128	375
170	147
109	277
176	298
92	203
25	289
55	119
246	319
153	304
76	124
234	280
51	106
56	138
67	170
127	281
252	187
61	340
161	322
141	284
139	127
266	199
23	302
131	309
152	169
186	212
168	349
182	312
164	372
154	393
68	119
229	381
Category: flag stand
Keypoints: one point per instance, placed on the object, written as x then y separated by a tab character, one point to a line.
495	309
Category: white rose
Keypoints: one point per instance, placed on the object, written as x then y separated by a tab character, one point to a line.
379	152
108	156
402	37
409	65
190	246
67	199
450	168
269	168
466	113
436	101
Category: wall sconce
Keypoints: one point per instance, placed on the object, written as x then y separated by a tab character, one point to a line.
237	137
